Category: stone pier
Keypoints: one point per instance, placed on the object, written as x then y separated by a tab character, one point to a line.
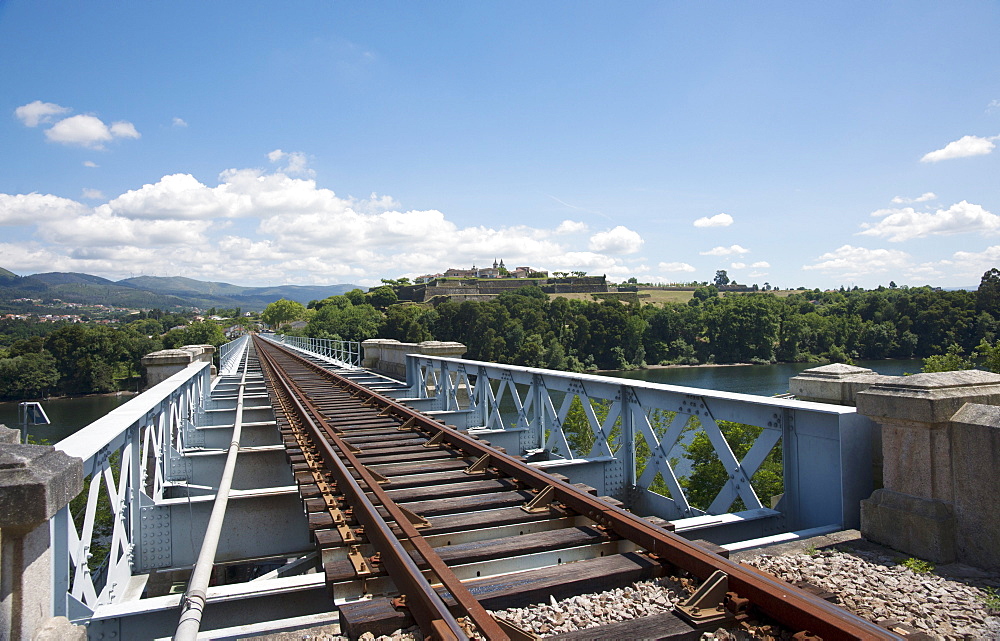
935	458
388	356
165	363
36	481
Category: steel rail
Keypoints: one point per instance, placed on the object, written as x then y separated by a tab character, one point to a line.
781	601
423	600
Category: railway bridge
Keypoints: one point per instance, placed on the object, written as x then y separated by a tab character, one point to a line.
294	489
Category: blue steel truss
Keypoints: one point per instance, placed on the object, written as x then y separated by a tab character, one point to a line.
826	449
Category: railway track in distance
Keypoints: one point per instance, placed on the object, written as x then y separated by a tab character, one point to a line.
419	523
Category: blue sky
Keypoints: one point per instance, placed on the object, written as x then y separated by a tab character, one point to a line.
800	144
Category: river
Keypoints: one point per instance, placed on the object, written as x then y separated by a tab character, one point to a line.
67	414
762	380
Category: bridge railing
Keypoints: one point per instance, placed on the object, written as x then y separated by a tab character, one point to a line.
129	456
231	353
346	353
697	457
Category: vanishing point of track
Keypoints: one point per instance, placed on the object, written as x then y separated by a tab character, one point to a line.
432	522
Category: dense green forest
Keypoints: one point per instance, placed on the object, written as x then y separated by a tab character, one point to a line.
40	359
525	327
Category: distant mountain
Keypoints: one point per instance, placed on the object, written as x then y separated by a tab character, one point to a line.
154	291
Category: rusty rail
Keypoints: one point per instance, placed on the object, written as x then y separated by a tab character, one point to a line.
790	606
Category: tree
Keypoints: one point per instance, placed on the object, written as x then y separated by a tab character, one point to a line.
382	297
950	361
708	474
283	311
721	278
201	333
988	294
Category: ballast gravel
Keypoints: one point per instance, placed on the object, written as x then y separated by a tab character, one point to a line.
872	585
591	610
877	587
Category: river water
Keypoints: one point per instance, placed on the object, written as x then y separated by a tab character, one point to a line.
762	380
67	414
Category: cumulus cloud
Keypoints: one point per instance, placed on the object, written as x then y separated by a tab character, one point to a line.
902	224
726	251
179	122
619	240
962	148
737	265
900	200
673	268
27	209
571	227
296	162
761	264
89	131
90	163
851	261
718	220
38	112
993	106
93	194
272	227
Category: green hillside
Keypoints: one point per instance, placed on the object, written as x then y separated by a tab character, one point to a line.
153	291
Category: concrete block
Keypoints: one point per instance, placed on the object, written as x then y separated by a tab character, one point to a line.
36	481
9	435
60	629
924	528
836	383
975	456
928	398
165	363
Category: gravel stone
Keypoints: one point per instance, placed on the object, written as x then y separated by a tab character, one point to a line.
878	588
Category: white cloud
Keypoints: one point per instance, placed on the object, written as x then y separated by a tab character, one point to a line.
900	200
123	129
972	265
737	265
103	229
179	122
672	268
297	162
571	227
27	209
993	106
89	131
38	112
962	148
273	228
90	163
93	194
904	224
718	220
848	261
619	240
726	251
761	264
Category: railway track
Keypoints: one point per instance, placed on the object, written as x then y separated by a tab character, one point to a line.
419	522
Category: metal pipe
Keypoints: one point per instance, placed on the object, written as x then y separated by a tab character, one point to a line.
197	592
